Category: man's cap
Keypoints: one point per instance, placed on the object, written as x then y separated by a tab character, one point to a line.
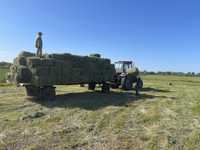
39	33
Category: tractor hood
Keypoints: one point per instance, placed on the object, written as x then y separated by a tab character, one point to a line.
134	71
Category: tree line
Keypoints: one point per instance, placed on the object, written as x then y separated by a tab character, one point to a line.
5	64
169	73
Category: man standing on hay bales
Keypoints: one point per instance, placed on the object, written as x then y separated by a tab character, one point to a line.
38	44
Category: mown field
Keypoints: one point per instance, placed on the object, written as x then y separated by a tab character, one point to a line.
165	116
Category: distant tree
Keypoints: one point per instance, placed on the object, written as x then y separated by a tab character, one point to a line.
152	73
169	73
198	74
5	64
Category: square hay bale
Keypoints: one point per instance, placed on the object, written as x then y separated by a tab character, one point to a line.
47	62
26	54
33	61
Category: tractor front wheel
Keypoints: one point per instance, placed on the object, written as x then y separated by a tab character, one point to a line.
126	84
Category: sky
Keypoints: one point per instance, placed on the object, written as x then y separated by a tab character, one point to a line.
158	35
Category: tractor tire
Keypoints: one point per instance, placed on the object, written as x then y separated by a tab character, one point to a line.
123	83
138	86
126	84
139	83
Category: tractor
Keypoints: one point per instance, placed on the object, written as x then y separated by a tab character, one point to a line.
127	75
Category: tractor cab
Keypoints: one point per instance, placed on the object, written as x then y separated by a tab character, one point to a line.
123	66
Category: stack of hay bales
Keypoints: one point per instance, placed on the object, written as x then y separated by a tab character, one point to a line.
84	69
58	69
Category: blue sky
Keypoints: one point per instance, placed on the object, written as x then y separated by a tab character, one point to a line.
159	35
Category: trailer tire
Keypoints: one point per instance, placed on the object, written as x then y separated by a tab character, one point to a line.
91	86
105	88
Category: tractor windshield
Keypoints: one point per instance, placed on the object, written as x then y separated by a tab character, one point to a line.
119	67
123	66
127	66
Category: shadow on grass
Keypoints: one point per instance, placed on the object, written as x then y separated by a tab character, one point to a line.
94	100
149	89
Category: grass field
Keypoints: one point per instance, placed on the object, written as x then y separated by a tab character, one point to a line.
165	116
3	72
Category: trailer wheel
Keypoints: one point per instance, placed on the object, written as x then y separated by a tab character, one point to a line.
32	92
47	93
82	85
91	86
105	88
38	93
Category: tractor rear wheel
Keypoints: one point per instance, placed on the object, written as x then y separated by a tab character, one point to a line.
138	86
139	83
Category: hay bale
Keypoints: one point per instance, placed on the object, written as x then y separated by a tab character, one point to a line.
26	54
47	62
24	74
33	61
21	61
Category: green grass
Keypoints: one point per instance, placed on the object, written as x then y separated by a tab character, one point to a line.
164	116
3	72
